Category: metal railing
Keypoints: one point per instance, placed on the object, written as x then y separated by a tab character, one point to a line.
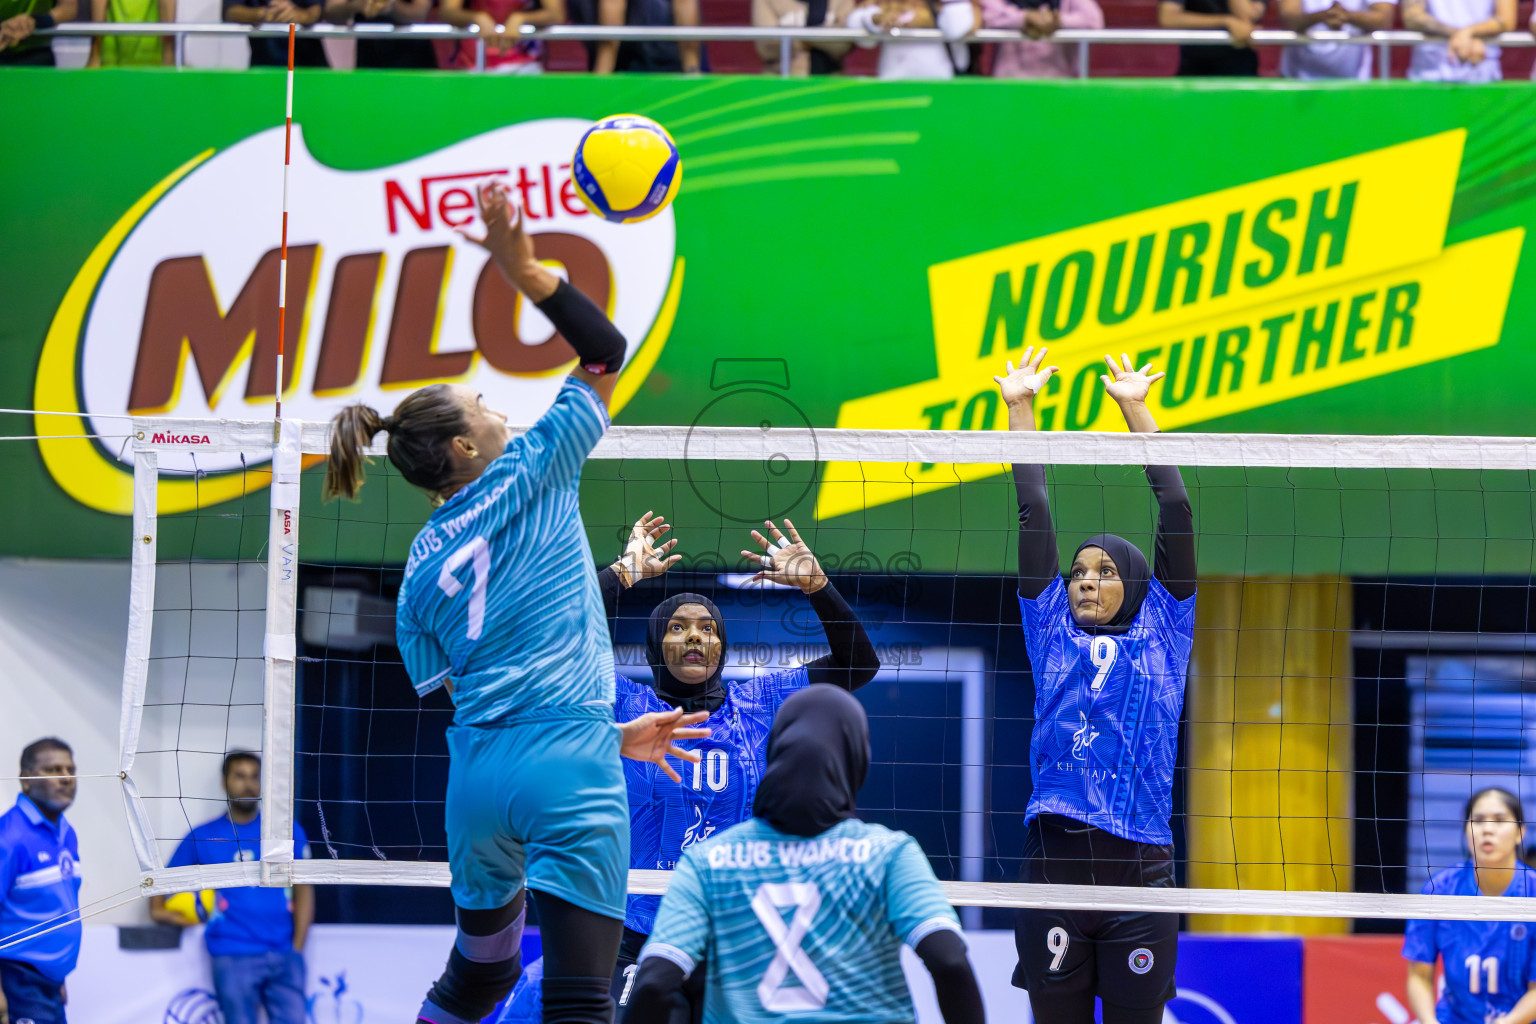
1083	38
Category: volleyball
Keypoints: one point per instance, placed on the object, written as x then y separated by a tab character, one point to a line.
626	168
193	907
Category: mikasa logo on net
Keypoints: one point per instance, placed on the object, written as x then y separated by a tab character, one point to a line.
175	313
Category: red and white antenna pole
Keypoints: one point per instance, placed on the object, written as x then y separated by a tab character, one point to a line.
282	262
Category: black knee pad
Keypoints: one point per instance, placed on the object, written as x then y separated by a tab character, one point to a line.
577	1001
469	990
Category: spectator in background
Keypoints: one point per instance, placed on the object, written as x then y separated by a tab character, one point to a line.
385	53
1237	17
805	58
1463	57
1039	58
39	883
131	51
256	935
647	56
273	52
955	19
506	55
1332	60
20	18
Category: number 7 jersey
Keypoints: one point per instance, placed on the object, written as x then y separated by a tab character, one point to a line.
790	928
499	593
1107	712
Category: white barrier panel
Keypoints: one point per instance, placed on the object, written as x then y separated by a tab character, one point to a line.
378	974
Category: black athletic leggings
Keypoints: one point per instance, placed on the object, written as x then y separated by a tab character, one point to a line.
577	942
580	948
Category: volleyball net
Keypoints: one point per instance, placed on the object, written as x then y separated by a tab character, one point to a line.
1360	665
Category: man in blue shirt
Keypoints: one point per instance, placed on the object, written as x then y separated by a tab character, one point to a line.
255	935
39	885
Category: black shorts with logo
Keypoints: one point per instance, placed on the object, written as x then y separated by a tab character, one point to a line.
1125	958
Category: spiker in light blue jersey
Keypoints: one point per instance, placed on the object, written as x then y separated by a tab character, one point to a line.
626	168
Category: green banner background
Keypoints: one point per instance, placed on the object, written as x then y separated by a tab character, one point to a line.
828	271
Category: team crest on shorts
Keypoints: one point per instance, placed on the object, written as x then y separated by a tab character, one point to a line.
1140	960
1517	932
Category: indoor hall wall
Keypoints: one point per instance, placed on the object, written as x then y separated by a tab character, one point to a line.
1270	745
63	629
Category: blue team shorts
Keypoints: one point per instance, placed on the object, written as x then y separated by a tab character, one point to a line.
32	995
539	801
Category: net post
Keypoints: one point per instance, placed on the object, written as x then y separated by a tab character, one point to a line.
279	651
973	775
141	616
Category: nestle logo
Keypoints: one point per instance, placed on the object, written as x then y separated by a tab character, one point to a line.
179	439
450	197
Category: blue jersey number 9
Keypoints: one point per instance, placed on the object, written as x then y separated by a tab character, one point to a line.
1103	651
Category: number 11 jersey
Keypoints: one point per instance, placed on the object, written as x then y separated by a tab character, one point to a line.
499	594
790	928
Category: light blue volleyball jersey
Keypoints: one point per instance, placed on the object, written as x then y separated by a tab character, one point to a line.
796	929
499	594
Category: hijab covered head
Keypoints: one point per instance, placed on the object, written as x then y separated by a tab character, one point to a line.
1131	564
818	756
688	696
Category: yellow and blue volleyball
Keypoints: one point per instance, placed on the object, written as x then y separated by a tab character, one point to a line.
626	168
194	907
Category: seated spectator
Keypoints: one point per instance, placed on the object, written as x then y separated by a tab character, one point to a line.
272	52
385	53
805	58
1463	57
1237	17
648	56
132	51
955	19
20	18
1040	58
1332	60
256	935
504	54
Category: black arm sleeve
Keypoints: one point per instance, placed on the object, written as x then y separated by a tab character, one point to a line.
1039	562
598	343
1173	561
609	583
943	953
852	662
658	988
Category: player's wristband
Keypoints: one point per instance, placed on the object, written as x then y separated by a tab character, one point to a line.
598	343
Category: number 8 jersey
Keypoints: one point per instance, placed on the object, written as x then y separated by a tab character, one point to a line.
499	594
1107	712
810	928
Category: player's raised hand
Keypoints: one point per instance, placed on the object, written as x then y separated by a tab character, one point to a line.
787	561
643	557
652	737
1125	383
1023	383
504	238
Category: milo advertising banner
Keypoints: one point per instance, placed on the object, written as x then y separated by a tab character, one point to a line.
843	253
